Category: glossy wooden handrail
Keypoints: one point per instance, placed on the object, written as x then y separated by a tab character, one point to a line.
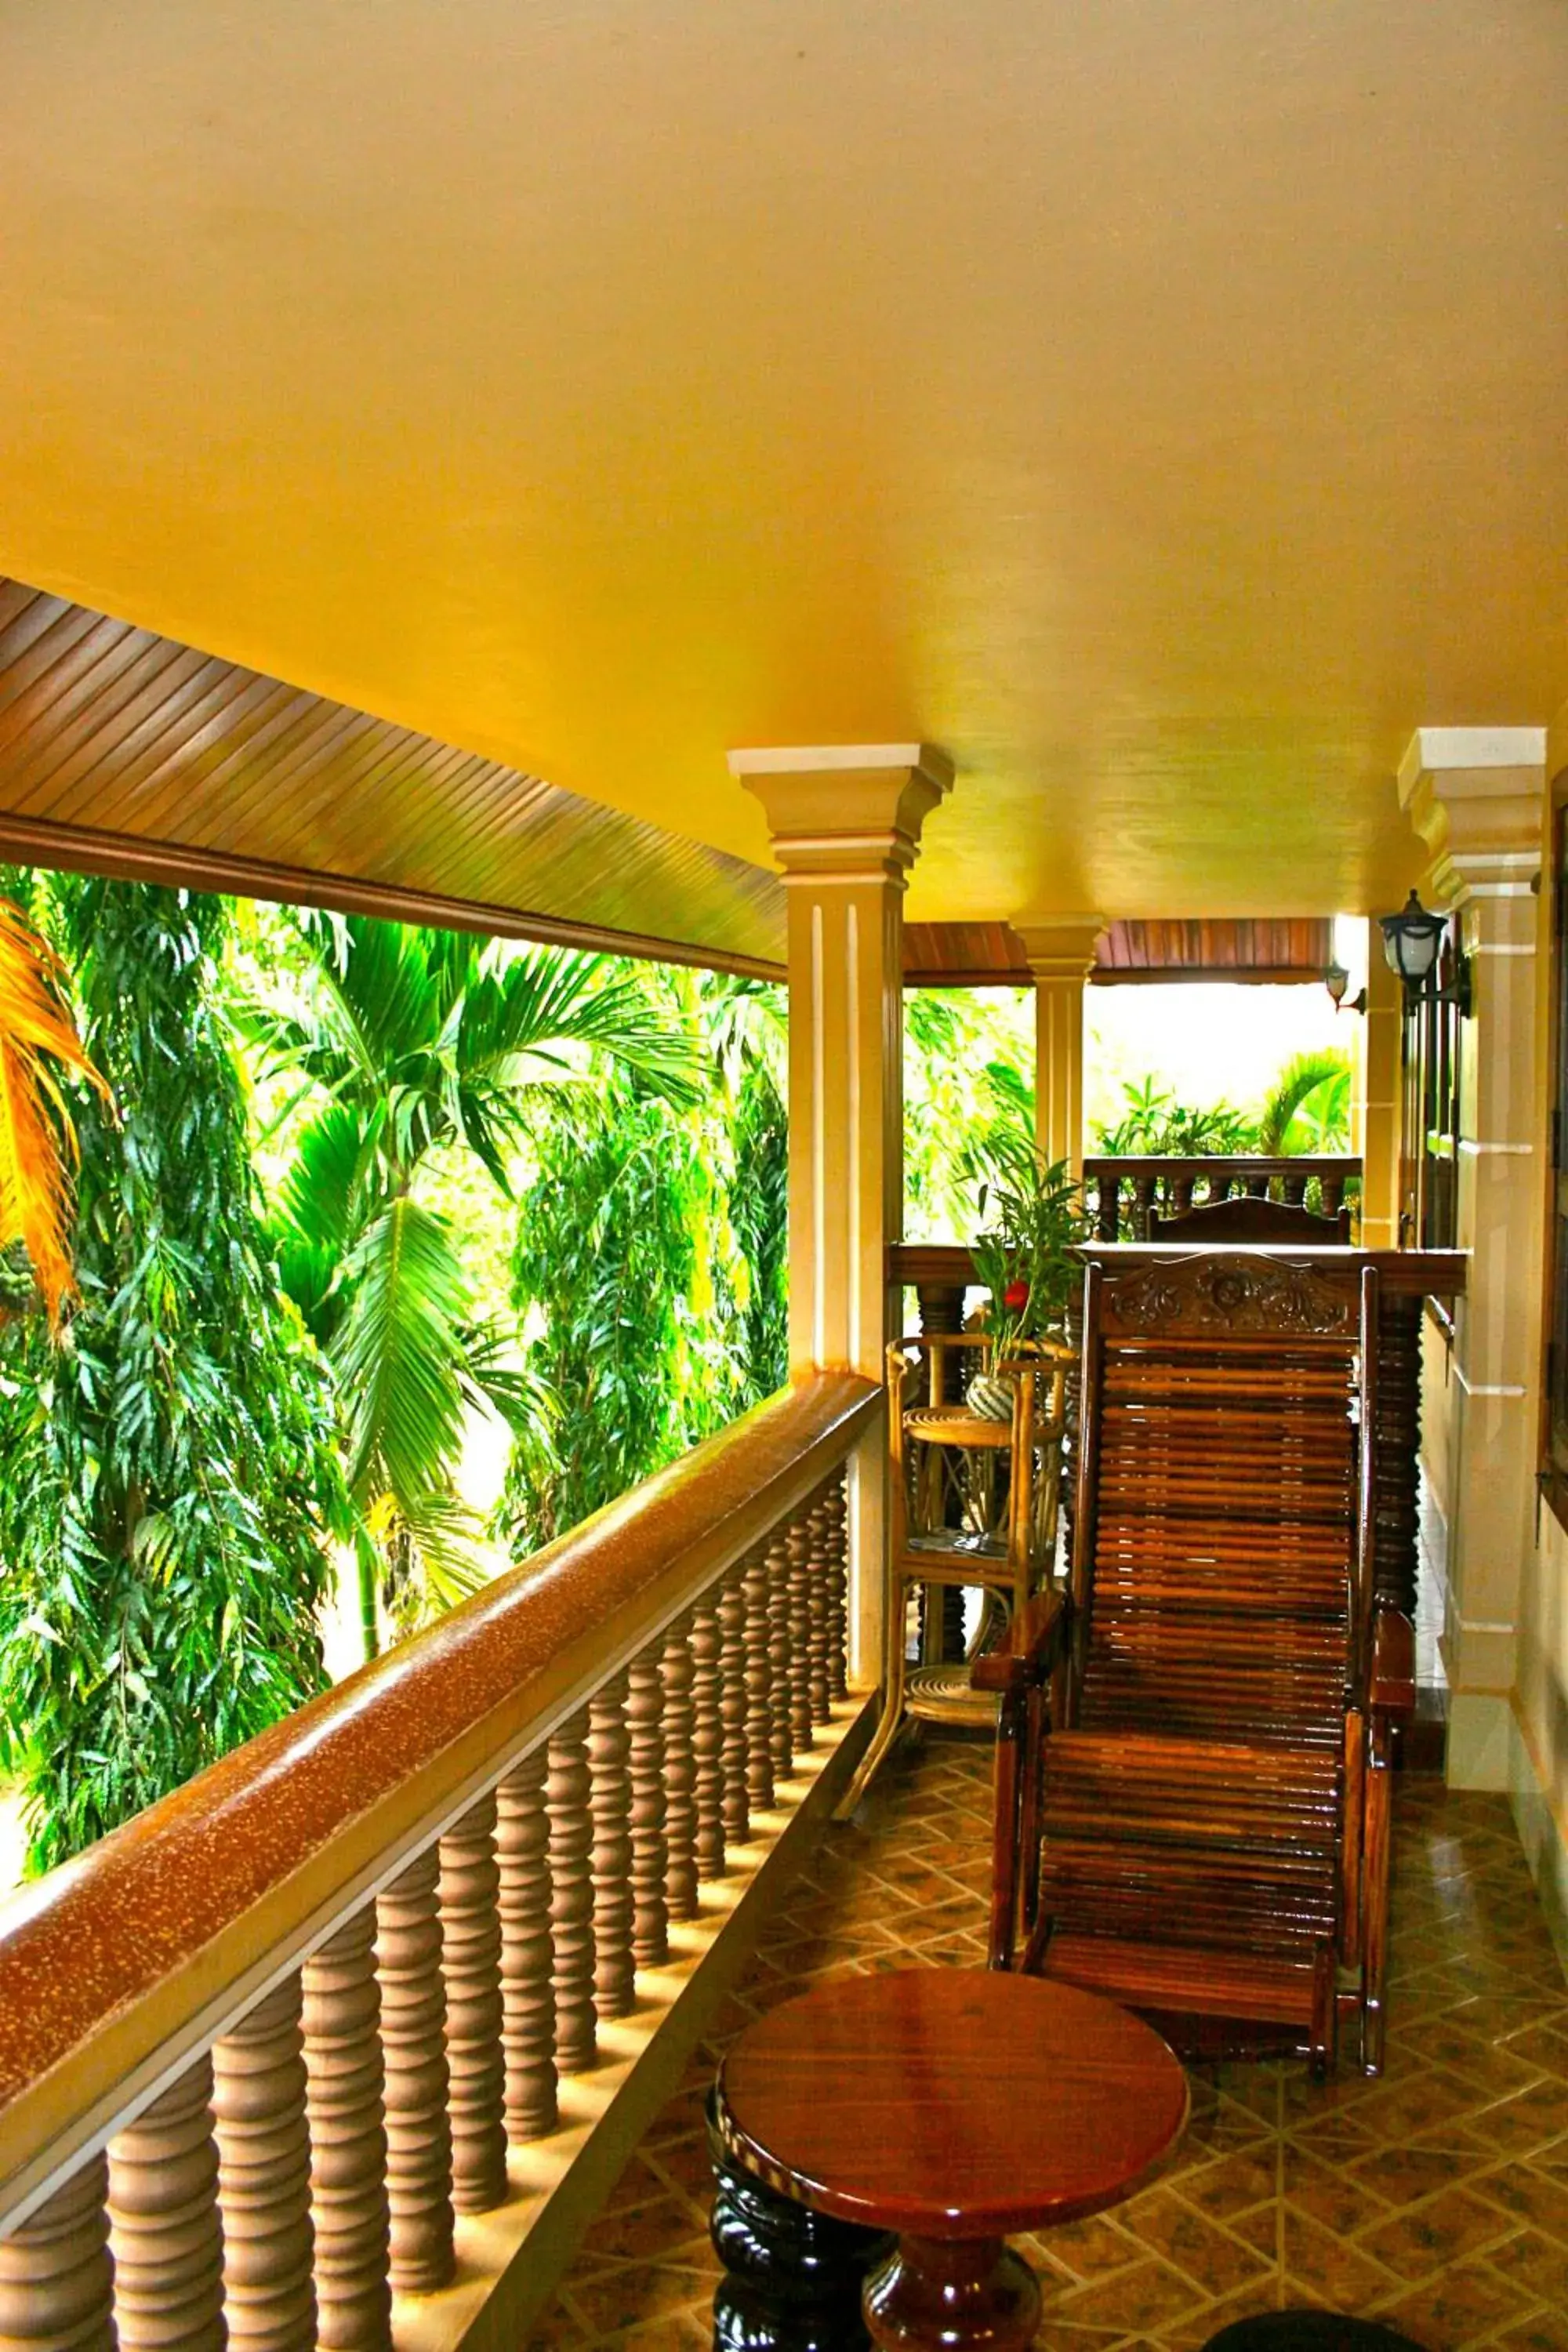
119	1965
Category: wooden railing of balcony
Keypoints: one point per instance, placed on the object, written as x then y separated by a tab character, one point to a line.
1122	1189
262	2049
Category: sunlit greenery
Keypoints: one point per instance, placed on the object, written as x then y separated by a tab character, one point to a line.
405	1041
968	1061
169	1471
316	1242
1305	1111
649	1259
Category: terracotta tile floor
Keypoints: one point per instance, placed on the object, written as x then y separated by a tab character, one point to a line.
1436	2199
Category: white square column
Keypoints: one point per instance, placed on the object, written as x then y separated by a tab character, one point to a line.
1476	796
846	823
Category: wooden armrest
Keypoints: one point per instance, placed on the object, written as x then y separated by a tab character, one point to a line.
1032	1649
1391	1684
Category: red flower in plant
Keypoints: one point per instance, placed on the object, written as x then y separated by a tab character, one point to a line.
1016	1297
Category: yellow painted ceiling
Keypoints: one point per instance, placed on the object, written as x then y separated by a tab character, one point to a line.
1161	404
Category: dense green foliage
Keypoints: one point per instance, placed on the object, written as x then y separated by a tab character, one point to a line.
1307	1110
170	1472
1154	1123
411	1040
231	1394
969	1059
650	1258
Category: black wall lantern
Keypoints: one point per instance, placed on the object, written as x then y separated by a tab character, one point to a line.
1336	980
1411	941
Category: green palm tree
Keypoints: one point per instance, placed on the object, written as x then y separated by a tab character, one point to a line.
1308	1107
408	1040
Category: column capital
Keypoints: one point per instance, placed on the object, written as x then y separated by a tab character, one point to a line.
1060	947
849	812
1473	794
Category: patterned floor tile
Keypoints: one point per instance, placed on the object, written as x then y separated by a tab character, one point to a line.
1435	2199
1460	2306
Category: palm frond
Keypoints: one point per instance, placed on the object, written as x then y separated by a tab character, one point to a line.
398	1351
547	998
38	1140
445	1534
1321	1070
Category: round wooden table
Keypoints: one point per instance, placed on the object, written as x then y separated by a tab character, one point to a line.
954	2106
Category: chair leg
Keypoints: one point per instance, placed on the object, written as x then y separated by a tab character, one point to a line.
1351	1855
1375	1908
1325	2012
892	1717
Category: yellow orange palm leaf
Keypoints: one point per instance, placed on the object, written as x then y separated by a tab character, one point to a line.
38	1141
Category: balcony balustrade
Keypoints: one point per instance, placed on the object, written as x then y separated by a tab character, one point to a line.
343	2043
1123	1191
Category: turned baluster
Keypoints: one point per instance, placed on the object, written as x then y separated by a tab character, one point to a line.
1294	1189
1143	1189
780	1743
1256	1188
1333	1194
264	2178
838	1592
413	2036
708	1739
679	1774
567	1797
470	1966
1181	1194
650	1854
344	2087
1108	1212
797	1549
164	2228
527	1952
759	1684
818	1595
57	2281
732	1700
609	1753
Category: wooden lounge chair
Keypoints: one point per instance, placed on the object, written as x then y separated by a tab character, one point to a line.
1193	1781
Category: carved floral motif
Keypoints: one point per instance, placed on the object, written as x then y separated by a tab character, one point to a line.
1233	1294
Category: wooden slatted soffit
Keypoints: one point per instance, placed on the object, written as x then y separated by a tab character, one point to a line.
1254	949
125	753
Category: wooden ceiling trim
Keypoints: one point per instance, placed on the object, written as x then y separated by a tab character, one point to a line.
1254	951
125	753
79	849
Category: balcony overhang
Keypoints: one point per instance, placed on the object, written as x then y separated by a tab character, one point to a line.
125	753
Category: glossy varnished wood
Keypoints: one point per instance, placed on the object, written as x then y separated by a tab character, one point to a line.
951	2102
940	1272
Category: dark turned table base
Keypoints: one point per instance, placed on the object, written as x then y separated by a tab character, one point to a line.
794	2279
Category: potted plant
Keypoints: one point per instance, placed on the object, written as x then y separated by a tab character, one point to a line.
1033	1218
